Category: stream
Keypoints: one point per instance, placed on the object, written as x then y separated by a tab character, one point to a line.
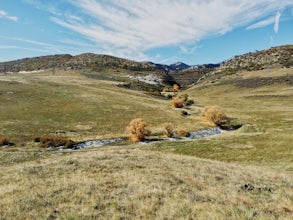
104	142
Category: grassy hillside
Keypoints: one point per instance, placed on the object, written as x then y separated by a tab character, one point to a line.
69	103
265	110
134	183
242	174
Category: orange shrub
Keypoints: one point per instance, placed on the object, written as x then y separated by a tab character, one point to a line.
47	141
137	130
214	115
182	133
169	129
4	140
177	102
176	87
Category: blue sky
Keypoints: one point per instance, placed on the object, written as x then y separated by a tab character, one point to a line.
162	31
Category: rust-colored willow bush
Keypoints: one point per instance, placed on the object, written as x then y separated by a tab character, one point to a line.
137	129
182	133
50	141
214	116
177	102
4	140
176	87
169	129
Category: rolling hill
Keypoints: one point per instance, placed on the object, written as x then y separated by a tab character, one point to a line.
240	174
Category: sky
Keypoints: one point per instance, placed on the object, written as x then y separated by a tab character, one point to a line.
161	31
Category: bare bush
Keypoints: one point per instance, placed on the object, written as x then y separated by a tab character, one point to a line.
169	129
4	140
48	141
176	87
182	133
214	116
177	102
137	130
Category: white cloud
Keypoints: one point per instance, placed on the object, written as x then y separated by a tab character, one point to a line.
271	20
277	20
262	23
27	41
3	47
3	14
129	28
41	46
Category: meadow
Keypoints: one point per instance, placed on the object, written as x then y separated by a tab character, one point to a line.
241	174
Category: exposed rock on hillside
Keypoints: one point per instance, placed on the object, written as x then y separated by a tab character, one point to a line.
36	63
274	57
83	61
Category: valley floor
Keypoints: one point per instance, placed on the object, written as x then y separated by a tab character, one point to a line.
243	174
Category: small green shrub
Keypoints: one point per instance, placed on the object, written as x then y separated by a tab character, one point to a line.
189	102
169	96
184	113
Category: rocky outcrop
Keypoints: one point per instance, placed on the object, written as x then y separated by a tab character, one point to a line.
274	57
36	63
89	61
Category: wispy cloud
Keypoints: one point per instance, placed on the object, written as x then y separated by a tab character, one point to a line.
4	14
42	47
271	20
277	20
262	23
26	41
3	47
129	28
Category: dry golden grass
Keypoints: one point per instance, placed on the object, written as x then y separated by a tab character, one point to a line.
133	183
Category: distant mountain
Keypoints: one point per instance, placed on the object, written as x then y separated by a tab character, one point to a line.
178	66
168	68
114	68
